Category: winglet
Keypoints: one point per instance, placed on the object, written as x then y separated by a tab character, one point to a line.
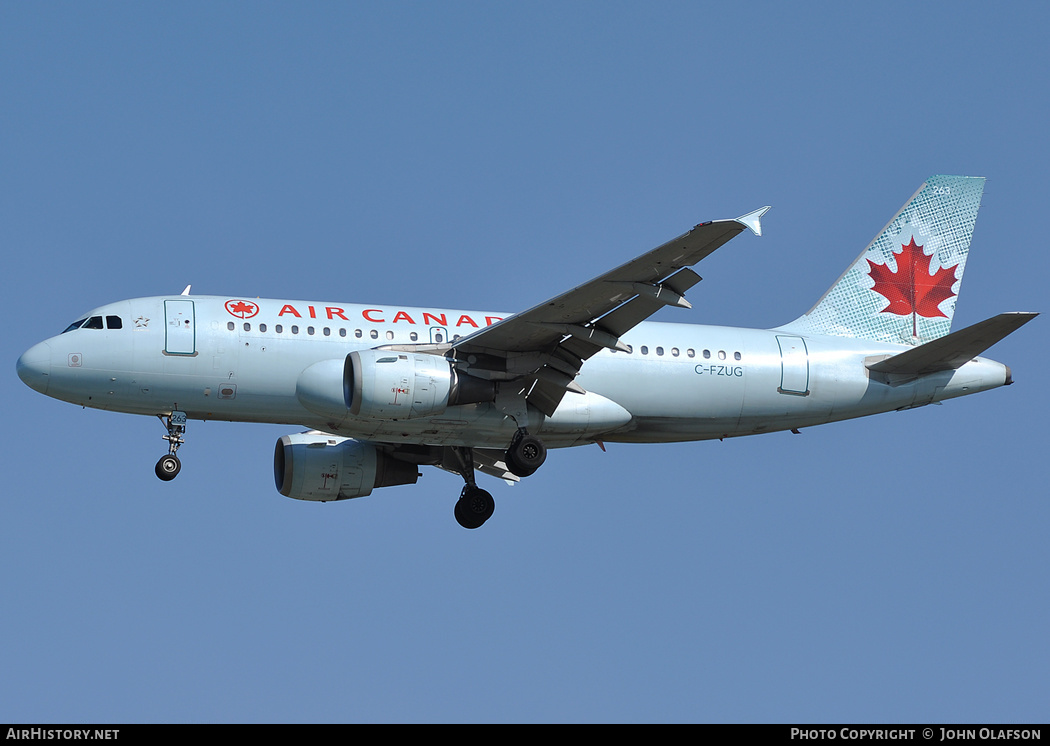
186	291
753	220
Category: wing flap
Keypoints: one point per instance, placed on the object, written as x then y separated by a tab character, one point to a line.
629	315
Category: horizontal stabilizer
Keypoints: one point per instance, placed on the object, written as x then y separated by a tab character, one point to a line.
956	349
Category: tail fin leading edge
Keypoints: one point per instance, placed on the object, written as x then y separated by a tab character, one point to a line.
903	287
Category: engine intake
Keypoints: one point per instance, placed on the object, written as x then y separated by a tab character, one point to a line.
315	466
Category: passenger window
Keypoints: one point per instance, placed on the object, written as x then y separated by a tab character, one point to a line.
690	352
262	328
230	325
310	330
247	326
413	336
75	325
327	332
707	354
389	335
645	349
659	350
295	329
278	328
674	351
357	333
736	355
374	334
721	354
95	322
114	322
342	332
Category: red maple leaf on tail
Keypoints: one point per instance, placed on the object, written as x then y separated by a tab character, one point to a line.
912	289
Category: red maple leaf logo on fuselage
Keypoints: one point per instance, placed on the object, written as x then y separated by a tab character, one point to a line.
242	309
912	289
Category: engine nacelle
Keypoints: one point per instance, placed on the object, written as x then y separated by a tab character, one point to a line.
388	385
315	466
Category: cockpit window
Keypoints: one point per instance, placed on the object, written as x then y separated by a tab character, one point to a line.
95	322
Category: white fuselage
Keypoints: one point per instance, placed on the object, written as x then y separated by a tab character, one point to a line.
214	359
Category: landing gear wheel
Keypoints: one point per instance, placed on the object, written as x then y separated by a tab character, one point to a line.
474	507
168	467
525	455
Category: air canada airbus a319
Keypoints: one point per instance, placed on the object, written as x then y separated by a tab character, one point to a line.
386	389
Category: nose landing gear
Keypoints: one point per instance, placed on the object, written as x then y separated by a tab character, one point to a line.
169	465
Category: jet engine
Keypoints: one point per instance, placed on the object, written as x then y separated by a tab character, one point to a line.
384	385
316	466
388	385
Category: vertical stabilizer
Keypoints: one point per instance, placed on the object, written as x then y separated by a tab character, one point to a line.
903	287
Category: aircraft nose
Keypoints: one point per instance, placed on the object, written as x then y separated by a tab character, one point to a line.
34	367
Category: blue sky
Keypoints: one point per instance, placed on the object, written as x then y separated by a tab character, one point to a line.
489	156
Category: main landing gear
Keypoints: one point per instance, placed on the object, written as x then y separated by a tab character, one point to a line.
475	505
523	457
169	465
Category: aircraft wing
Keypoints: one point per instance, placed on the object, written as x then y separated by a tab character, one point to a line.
545	346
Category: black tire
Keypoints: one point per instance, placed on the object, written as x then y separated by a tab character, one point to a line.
474	507
168	467
525	456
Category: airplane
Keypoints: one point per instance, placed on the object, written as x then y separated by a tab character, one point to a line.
384	390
